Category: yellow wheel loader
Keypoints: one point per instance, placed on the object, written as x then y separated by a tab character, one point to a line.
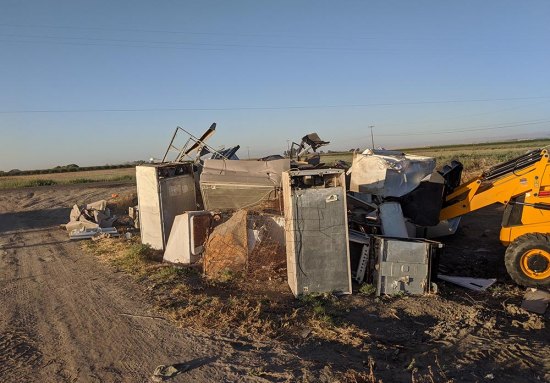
523	186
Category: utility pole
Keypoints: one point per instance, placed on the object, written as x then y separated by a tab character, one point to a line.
371	135
248	148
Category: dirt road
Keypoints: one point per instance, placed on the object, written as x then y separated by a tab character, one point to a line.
64	317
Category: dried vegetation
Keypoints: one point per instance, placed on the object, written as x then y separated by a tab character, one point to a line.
245	305
107	175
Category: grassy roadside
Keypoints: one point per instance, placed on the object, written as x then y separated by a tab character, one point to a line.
250	308
234	304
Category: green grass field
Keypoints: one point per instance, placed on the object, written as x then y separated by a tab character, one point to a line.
474	157
106	175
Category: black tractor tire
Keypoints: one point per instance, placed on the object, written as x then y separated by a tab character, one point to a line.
516	251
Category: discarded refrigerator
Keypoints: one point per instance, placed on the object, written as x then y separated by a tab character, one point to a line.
316	231
404	265
164	191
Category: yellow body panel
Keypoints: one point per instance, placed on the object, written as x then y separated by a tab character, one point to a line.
509	234
527	182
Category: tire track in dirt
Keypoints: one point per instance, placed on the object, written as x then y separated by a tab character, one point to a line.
87	312
19	351
475	345
16	348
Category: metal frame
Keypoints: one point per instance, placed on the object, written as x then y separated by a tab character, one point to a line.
193	143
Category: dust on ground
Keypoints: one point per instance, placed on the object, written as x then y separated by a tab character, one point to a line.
68	316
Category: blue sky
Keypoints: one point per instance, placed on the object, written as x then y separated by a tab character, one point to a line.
96	82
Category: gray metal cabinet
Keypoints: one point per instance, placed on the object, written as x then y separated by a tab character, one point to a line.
403	265
316	231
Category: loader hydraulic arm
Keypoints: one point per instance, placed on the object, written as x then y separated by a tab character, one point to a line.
525	175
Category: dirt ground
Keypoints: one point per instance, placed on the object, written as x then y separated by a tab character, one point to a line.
66	317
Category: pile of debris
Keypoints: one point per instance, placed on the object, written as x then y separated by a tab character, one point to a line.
93	220
235	216
373	221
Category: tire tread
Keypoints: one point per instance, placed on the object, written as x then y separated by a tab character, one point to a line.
513	252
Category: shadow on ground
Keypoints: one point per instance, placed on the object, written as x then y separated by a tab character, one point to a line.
33	219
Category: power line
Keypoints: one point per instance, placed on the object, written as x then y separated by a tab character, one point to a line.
110	45
85	41
107	110
447	119
181	32
224	33
473	129
225	45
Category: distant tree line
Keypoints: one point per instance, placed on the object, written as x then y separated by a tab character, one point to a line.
67	169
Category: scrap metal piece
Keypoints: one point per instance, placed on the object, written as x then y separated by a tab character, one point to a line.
356	200
198	143
266	246
363	266
271	157
442	229
229	153
363	263
314	141
91	233
196	147
393	221
192	144
309	142
475	284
